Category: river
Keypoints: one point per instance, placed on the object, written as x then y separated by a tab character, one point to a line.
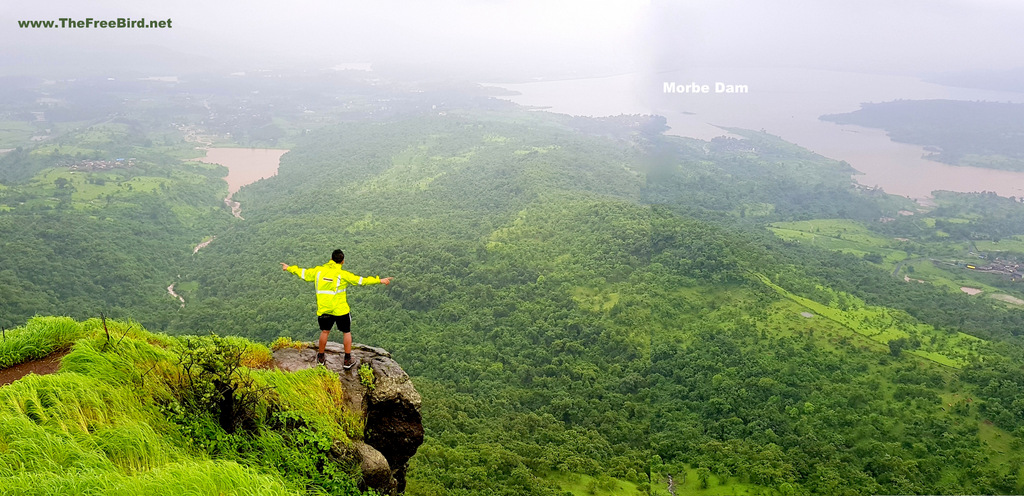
245	166
787	103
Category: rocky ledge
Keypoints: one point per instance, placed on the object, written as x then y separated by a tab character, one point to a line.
391	410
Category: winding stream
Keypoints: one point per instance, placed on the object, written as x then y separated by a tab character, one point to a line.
170	290
245	166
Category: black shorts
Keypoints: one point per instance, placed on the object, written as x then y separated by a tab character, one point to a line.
327	322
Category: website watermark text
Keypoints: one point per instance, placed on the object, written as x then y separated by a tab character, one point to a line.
91	23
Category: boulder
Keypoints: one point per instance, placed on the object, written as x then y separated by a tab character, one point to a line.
390	409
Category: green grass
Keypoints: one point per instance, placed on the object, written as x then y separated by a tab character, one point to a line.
91	424
594	299
854	238
785	319
585	485
105	422
844	235
938	358
186	287
15	133
414	170
54	148
1008	299
1014	244
756	210
953	277
88	140
176	479
929	272
997	440
101	134
882	325
87	192
84	190
38	338
144	184
316	393
993	161
716	485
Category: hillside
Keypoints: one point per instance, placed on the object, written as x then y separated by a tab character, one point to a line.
134	412
115	232
590	306
558	319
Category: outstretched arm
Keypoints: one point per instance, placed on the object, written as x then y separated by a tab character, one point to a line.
364	280
299	271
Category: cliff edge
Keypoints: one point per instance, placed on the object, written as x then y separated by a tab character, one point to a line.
388	403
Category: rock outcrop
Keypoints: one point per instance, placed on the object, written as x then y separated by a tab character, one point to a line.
391	410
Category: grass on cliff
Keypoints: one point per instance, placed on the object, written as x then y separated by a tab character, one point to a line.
40	337
119	418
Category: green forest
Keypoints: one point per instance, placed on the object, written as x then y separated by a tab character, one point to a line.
587	306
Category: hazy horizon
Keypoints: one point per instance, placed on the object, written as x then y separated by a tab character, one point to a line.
450	39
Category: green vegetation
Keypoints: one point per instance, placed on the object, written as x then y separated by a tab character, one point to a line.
132	412
37	339
114	238
585	485
845	236
366	377
885	326
586	305
14	133
1011	246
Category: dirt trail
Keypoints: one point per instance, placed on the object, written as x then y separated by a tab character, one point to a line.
42	366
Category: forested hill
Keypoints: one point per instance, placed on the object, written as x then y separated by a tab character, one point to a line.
590	306
575	300
978	134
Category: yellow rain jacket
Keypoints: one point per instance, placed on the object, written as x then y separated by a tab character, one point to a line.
331	282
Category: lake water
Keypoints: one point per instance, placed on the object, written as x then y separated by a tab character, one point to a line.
245	165
786	103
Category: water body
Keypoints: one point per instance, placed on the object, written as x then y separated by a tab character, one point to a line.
787	103
245	165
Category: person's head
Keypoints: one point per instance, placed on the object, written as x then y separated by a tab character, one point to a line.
338	256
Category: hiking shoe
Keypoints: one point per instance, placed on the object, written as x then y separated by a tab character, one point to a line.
321	359
348	363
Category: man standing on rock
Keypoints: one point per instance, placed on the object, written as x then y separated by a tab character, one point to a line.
331	305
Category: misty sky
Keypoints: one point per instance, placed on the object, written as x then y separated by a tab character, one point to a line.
546	37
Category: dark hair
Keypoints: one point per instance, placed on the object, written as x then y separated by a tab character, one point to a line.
338	256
